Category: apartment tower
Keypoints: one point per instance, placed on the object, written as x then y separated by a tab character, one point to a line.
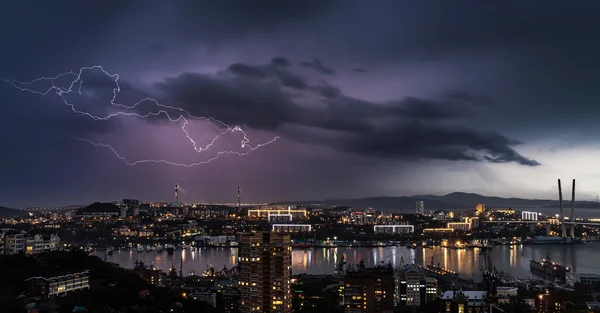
265	272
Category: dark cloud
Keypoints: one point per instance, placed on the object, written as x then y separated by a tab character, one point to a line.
467	98
359	70
280	61
417	108
318	66
246	70
418	140
409	128
326	90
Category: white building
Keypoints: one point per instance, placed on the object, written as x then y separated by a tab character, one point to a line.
14	243
39	243
529	216
291	228
393	229
280	218
459	226
582	278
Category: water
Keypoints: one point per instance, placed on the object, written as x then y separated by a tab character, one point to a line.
466	262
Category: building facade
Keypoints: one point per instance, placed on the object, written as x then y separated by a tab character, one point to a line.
47	287
369	290
265	272
420	207
415	288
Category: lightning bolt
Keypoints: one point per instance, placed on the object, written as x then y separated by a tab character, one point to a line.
127	110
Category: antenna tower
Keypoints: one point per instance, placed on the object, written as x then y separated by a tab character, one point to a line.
239	203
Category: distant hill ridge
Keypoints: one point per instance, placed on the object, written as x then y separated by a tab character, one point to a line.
455	200
9	213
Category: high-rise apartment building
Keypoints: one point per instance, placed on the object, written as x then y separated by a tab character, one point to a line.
265	272
420	207
415	288
369	290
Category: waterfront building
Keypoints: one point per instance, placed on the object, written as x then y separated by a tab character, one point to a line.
265	272
393	229
58	285
287	228
438	230
369	290
459	226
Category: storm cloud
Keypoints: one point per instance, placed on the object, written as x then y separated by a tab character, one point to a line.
410	128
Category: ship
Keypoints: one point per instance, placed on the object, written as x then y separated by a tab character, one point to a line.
552	240
549	270
170	249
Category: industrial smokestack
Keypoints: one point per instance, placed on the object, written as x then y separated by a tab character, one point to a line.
177	193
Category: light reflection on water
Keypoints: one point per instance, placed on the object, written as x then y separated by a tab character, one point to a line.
466	262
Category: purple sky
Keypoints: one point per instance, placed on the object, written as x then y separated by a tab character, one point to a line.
367	99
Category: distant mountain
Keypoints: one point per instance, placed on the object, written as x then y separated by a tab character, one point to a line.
9	213
452	201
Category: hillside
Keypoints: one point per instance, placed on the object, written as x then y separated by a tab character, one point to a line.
9	213
452	201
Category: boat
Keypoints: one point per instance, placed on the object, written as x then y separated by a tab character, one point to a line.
148	248
140	248
170	249
549	270
552	240
109	251
159	248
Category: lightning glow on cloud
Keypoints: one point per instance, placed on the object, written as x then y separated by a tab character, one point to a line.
128	110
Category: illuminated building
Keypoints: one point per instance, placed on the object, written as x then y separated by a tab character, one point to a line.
420	207
279	217
459	301
39	243
297	214
459	226
58	285
288	228
529	216
393	229
265	272
438	230
14	243
549	303
480	209
369	290
415	288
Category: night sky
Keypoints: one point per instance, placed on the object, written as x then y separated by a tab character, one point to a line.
367	98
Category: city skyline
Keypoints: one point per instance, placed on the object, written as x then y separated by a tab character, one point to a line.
394	99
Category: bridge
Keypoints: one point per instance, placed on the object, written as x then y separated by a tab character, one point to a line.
563	223
53	209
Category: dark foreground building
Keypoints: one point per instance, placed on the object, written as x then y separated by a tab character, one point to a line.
369	290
